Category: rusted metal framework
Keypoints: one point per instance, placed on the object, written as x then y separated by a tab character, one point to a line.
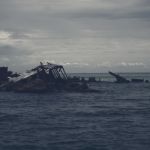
51	72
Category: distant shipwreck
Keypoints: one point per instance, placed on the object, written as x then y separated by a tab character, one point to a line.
43	78
121	79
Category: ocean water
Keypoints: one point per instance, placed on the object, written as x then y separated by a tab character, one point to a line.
116	118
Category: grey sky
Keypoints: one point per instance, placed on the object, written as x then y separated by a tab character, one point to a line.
83	35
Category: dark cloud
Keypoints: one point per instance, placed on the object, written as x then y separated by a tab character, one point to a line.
144	3
10	51
141	14
109	14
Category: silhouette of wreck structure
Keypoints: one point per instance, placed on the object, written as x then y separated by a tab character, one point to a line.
5	74
119	79
44	78
49	73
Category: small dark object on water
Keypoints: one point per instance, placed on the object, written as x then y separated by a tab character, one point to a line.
75	79
137	80
92	79
146	81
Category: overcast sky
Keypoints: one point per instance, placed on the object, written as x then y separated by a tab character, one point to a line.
82	35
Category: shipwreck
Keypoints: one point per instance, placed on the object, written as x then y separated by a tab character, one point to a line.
121	79
44	78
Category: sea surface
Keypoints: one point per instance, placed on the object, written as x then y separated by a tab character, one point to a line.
115	118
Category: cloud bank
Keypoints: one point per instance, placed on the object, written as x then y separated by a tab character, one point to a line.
83	35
